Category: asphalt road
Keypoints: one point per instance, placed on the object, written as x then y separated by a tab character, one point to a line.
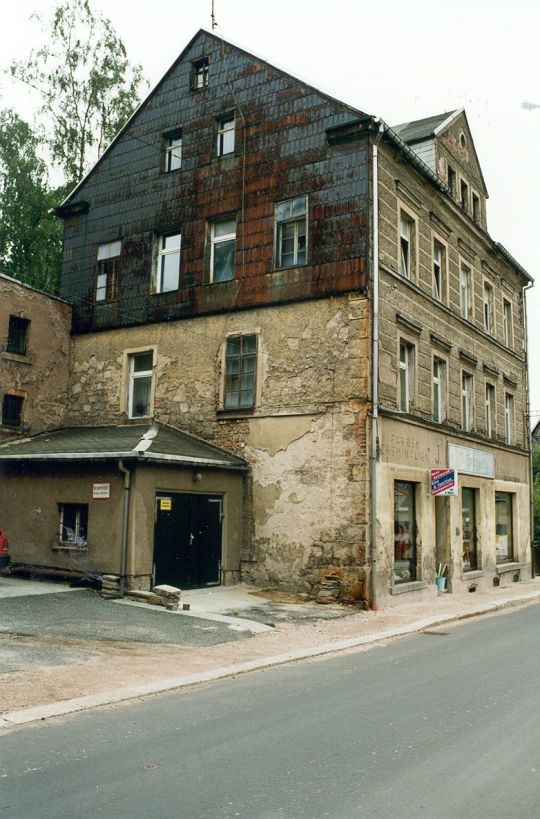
437	725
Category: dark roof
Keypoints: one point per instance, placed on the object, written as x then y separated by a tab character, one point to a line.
421	128
142	442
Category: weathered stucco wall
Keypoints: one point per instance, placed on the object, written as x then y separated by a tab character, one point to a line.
305	439
39	377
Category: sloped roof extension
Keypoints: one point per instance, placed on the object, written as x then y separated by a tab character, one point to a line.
141	442
421	129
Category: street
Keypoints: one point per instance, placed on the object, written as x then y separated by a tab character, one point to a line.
440	724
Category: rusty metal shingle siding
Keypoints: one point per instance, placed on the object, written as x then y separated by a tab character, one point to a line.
286	155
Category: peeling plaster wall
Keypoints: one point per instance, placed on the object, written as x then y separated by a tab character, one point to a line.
305	440
40	376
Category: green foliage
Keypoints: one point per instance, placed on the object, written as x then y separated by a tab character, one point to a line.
88	87
30	235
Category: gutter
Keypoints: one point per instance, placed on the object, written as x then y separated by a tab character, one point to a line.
529	430
125	526
374	368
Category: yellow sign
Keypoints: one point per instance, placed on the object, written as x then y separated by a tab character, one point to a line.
165	504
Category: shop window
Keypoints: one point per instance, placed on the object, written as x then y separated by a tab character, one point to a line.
468	530
140	384
405	557
504	541
108	266
74	525
173	151
240	372
291	232
12	408
17	341
221	244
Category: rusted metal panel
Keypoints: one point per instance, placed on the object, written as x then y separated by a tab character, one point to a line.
281	151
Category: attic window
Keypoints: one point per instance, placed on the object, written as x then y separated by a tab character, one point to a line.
464	195
199	74
463	141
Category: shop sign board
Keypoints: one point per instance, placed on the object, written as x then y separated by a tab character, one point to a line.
444	482
471	461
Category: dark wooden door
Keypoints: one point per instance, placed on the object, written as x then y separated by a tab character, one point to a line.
187	540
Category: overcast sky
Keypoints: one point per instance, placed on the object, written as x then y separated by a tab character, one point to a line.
399	60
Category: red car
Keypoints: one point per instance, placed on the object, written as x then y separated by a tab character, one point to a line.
4	551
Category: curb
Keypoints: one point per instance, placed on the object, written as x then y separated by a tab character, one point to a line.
65	707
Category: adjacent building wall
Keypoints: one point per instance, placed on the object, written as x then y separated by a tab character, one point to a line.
40	376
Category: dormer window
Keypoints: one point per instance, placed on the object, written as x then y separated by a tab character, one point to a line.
199	74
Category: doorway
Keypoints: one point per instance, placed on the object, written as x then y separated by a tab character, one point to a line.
187	540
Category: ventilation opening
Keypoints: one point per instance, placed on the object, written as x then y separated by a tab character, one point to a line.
496	581
473	587
515	578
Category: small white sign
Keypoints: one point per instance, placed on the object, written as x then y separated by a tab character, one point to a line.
471	461
101	491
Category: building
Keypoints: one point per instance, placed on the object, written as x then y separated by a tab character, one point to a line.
34	359
314	300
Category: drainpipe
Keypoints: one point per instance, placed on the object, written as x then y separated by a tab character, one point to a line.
374	363
125	522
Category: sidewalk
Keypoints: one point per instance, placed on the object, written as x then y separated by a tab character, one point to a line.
118	671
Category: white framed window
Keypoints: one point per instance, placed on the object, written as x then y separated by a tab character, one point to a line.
225	135
406	375
507	323
509	417
465	291
488	308
291	232
222	239
476	208
467	401
167	270
406	245
73	530
199	74
464	195
490	410
108	265
173	151
439	270
439	390
240	372
141	373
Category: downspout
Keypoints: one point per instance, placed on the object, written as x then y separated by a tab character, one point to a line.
528	419
125	523
374	363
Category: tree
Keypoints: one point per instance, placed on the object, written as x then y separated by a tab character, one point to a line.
30	234
88	87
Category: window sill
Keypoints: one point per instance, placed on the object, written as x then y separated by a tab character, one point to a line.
472	574
415	585
277	269
64	547
235	413
20	358
512	566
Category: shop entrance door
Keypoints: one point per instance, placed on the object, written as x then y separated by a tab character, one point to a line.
187	540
